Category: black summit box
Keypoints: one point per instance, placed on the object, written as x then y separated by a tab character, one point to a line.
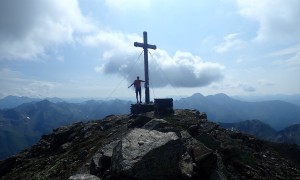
163	106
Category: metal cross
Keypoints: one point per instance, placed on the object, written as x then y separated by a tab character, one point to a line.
145	46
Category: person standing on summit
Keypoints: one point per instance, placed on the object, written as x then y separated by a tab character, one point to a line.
138	88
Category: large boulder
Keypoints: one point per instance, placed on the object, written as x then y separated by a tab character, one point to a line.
145	154
101	161
197	150
202	156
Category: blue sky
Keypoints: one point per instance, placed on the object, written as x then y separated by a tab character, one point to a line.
84	48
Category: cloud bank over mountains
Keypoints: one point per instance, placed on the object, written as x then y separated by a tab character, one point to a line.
183	69
29	33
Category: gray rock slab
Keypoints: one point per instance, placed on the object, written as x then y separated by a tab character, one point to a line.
145	154
83	176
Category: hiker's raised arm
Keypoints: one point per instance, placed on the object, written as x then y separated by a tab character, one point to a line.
130	85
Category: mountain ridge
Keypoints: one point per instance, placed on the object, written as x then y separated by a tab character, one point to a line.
294	99
14	101
22	126
263	131
225	109
199	148
25	124
253	127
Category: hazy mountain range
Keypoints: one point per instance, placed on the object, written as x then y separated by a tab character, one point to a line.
221	108
14	101
22	126
294	99
264	131
23	120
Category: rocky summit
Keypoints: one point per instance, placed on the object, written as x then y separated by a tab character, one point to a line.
183	145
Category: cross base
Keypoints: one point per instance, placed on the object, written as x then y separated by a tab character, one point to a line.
160	107
141	108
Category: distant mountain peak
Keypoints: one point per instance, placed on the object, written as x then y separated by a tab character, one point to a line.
14	101
223	108
44	102
197	95
222	95
219	96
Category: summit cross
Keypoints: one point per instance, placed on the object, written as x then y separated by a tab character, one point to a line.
145	46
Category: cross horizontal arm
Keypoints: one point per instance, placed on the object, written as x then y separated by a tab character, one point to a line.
150	46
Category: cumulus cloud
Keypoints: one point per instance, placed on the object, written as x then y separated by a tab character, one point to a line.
184	70
28	28
278	19
120	57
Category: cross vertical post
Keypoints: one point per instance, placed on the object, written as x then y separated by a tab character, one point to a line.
145	46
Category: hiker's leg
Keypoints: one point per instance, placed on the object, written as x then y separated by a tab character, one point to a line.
140	92
140	97
136	95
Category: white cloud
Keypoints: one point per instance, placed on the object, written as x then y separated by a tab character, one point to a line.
110	40
28	28
120	57
231	42
289	57
233	86
184	70
247	88
278	19
181	70
36	89
14	83
265	82
294	61
288	51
